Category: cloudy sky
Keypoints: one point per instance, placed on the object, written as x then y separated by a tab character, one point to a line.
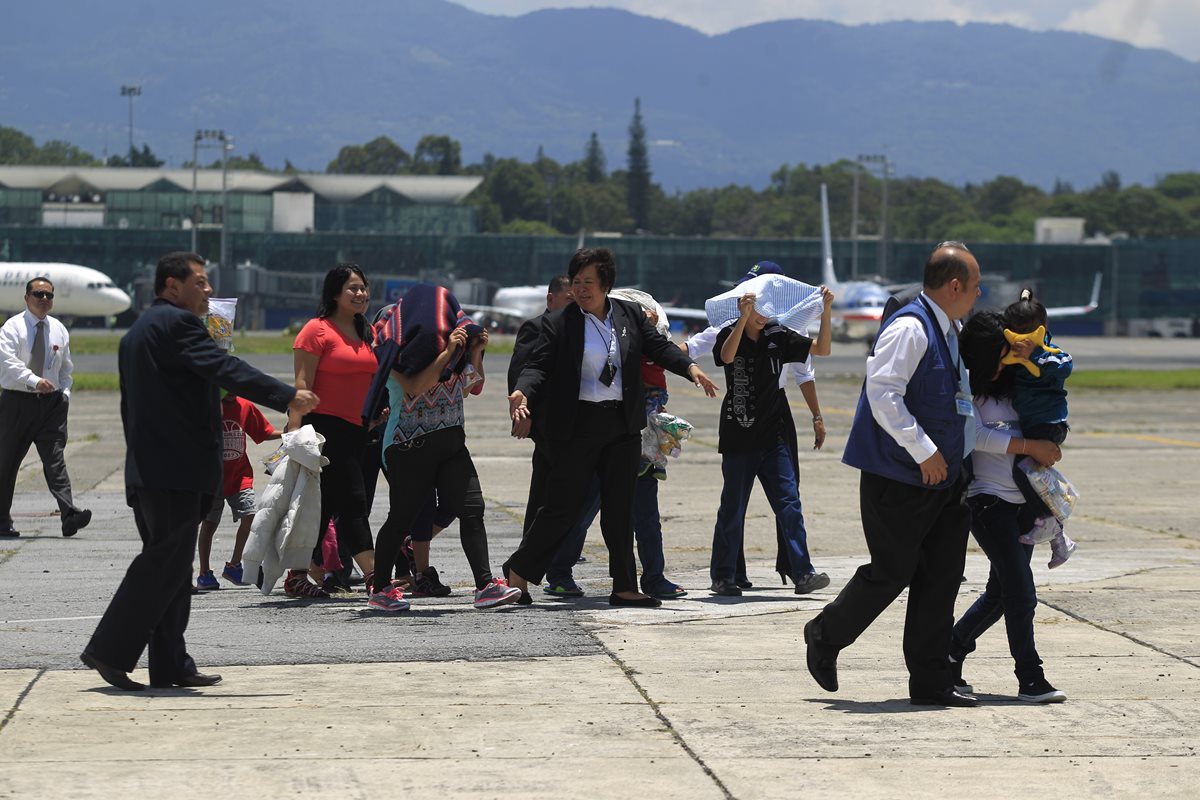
1168	24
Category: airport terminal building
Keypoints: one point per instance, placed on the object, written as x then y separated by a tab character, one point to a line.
283	231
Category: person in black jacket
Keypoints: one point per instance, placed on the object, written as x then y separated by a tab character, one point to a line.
558	296
585	378
170	370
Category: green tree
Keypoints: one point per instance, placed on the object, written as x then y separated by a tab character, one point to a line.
437	155
136	158
58	153
380	156
16	148
594	168
517	190
638	178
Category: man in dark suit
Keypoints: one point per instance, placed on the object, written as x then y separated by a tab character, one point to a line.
170	369
558	296
585	378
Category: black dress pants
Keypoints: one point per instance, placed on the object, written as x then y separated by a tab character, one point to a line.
917	537
601	446
37	420
152	604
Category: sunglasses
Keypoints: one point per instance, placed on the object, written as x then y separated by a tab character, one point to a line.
40	295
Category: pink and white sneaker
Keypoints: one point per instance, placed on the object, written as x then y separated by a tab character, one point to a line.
496	593
1061	547
390	599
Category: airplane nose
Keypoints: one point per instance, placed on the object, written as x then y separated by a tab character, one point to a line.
117	300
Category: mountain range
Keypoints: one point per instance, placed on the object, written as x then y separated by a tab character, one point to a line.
298	79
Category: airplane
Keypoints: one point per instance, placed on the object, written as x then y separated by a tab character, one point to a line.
857	305
511	305
78	291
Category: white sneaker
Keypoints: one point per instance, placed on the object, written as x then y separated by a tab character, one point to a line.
496	593
1061	547
391	599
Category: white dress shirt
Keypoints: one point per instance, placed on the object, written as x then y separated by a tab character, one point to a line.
898	351
599	340
16	345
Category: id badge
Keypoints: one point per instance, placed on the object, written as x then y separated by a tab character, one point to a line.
964	405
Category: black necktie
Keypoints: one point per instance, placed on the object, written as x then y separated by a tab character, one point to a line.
37	355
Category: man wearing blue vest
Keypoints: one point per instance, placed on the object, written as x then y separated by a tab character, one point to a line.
912	433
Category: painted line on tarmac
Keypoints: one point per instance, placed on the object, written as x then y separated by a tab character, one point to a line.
96	616
1146	438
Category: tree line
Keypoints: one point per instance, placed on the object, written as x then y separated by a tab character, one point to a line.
546	197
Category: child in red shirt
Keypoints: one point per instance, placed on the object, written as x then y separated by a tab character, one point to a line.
239	419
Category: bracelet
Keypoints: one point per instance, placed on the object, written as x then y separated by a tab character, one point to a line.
1023	442
818	418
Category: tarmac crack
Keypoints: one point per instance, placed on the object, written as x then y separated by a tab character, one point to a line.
662	717
1080	618
12	712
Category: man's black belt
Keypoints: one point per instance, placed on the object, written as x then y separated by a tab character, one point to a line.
602	403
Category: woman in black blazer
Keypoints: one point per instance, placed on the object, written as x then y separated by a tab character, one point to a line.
585	374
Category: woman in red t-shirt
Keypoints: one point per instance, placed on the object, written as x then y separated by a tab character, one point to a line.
334	358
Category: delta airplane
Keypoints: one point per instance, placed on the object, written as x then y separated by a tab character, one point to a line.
78	291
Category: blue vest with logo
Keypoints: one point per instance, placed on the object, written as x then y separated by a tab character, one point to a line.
930	399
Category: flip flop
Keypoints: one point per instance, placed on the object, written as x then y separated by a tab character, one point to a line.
669	591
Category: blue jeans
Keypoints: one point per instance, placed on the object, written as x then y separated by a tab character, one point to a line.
1010	591
647	530
776	473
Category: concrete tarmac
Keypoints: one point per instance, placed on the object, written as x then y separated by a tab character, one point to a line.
706	697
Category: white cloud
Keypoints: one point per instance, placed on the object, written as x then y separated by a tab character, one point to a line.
1170	24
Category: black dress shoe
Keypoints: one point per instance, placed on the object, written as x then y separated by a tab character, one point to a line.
9	533
725	588
526	599
945	697
194	681
76	522
822	661
111	675
615	599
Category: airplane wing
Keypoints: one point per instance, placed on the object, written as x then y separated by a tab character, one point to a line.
1072	311
495	311
676	312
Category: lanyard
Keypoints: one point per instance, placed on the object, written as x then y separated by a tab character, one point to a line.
612	340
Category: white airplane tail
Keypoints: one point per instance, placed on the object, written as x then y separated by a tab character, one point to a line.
828	277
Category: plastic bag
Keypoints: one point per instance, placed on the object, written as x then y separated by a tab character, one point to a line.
1058	493
664	436
221	313
272	462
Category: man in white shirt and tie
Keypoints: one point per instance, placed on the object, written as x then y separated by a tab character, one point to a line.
35	376
911	436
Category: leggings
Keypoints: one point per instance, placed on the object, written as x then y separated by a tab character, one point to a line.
435	461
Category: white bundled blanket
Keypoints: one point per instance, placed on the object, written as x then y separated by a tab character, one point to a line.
284	531
794	304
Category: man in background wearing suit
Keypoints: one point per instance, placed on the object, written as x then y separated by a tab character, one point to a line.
170	370
35	373
558	295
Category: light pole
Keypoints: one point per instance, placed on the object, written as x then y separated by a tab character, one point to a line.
887	169
205	139
131	91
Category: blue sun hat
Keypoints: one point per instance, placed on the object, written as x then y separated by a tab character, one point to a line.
762	268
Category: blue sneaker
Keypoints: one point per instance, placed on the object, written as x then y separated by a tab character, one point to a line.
206	582
565	589
233	573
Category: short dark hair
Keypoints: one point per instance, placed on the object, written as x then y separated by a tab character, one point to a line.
945	264
29	285
599	257
558	284
177	265
982	345
1025	315
335	280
